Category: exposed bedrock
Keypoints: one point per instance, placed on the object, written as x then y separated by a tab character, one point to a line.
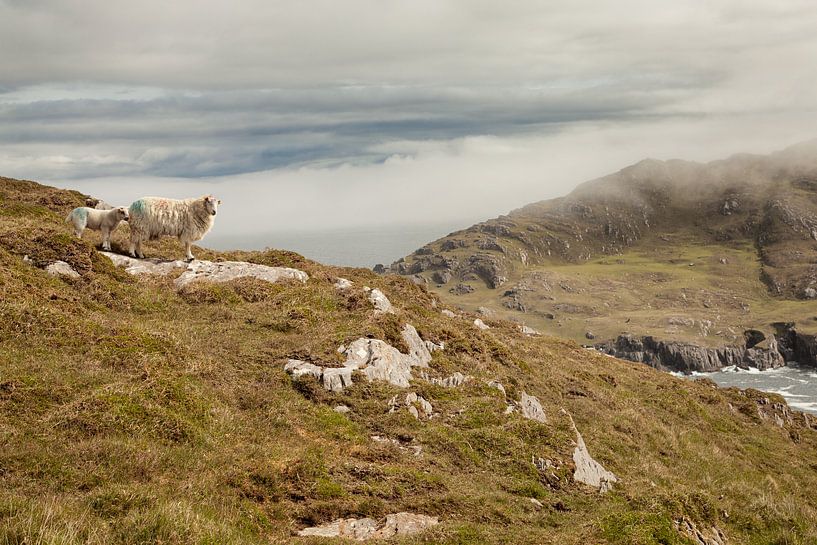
760	351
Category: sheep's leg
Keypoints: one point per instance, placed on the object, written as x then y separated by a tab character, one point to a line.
136	246
78	233
106	239
188	253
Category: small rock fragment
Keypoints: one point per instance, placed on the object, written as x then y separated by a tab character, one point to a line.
343	284
532	409
61	268
480	324
446	312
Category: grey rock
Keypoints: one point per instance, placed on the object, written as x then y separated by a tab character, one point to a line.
342	409
298	368
399	524
453	244
810	293
531	408
441	277
528	330
61	269
461	289
454	381
379	269
379	360
589	335
481	325
588	470
357	529
381	303
446	312
497	385
337	378
144	266
224	271
343	284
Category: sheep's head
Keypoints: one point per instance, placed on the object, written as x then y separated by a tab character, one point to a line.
211	204
122	213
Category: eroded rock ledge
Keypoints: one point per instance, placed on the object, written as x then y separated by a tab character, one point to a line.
760	351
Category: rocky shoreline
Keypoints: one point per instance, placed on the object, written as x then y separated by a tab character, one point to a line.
761	351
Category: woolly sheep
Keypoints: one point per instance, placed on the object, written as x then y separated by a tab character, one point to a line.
99	220
189	220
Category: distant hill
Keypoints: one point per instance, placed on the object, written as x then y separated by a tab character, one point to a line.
679	250
138	409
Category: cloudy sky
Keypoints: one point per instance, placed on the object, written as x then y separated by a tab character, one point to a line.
319	114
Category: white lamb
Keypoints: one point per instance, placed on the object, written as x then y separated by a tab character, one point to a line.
189	220
98	220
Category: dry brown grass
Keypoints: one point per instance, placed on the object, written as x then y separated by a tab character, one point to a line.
131	413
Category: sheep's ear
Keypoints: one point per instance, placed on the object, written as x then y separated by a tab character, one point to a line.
219	202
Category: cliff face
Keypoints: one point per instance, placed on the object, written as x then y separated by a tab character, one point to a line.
726	246
688	357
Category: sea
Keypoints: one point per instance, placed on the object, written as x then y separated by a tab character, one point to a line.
347	247
797	384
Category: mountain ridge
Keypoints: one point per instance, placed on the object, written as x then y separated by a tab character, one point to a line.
747	224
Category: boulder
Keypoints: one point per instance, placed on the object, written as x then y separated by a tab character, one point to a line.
379	360
588	470
61	269
530	408
223	271
461	289
381	303
441	277
481	325
528	331
342	284
448	313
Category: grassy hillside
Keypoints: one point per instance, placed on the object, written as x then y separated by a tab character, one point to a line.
133	413
674	249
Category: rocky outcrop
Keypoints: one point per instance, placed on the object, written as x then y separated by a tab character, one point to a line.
224	271
221	271
376	359
688	357
711	536
397	524
796	346
144	266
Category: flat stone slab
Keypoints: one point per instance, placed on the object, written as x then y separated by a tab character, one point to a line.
366	528
224	271
144	266
211	271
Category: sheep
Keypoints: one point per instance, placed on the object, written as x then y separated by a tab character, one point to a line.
189	220
98	220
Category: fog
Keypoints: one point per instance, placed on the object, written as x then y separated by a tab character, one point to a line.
330	116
